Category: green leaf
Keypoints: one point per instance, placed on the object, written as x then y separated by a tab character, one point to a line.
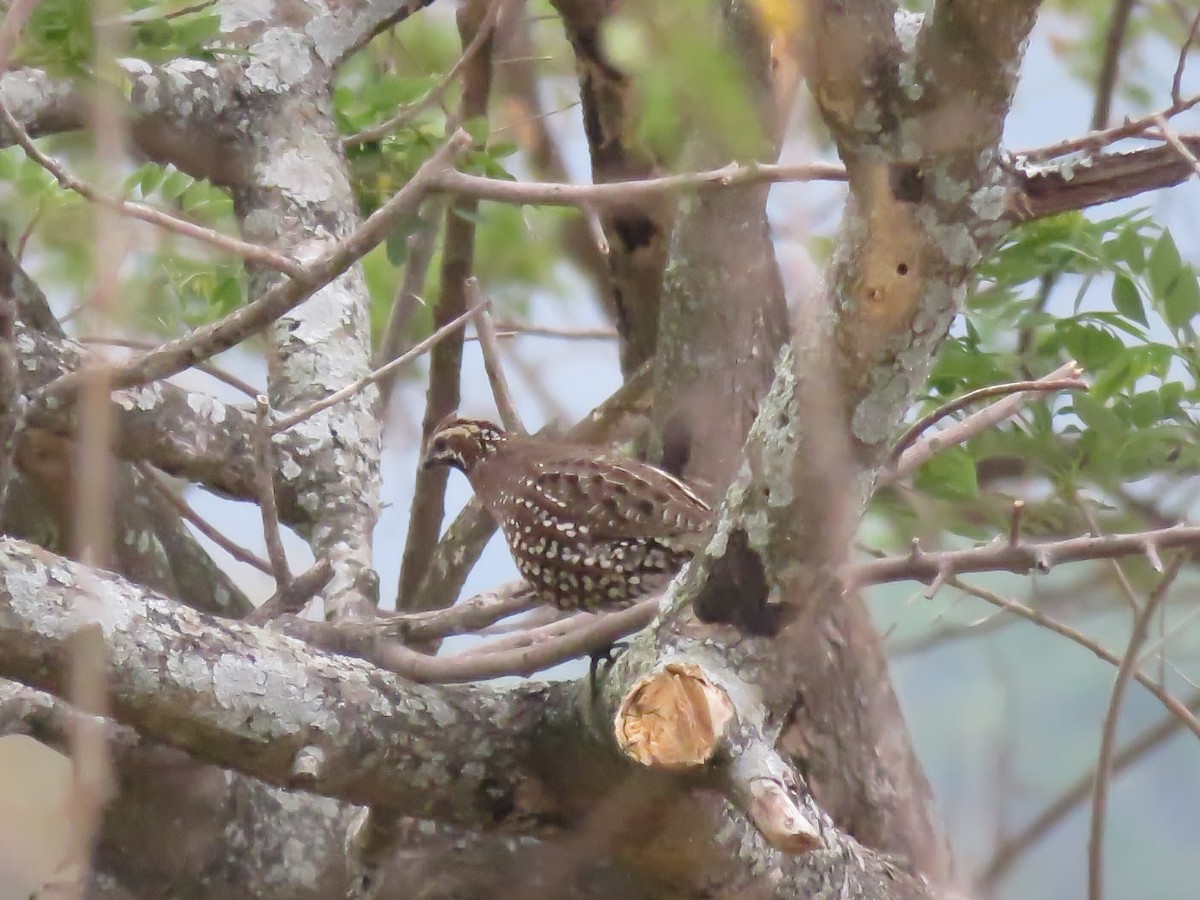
950	474
1181	303
1098	417
175	184
1127	299
1093	347
1128	247
1145	409
1164	266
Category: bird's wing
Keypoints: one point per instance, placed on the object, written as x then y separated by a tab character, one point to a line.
615	497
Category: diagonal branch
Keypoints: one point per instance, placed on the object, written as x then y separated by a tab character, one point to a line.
1020	557
175	356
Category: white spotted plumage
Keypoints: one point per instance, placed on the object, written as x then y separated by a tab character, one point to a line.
586	528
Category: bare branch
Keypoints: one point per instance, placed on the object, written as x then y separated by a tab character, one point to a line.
294	596
207	368
181	506
1171	137
619	193
408	111
1118	24
907	461
1047	384
1014	525
264	479
443	394
1177	80
1108	734
486	330
255	253
601	631
1097	140
360	638
421	246
379	374
1171	703
1058	809
175	356
920	565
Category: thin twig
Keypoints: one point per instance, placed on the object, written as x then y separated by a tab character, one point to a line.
295	596
601	632
1177	80
616	193
264	481
185	511
1014	524
408	111
1052	382
595	228
521	329
1095	140
1118	24
924	566
486	330
207	368
204	343
1169	135
255	253
1108	734
1171	703
27	231
421	246
1012	848
1118	570
532	633
472	615
382	372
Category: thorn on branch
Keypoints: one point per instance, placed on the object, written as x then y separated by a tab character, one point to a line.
1014	526
939	579
1152	556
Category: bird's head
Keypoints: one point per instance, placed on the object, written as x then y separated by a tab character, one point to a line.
462	443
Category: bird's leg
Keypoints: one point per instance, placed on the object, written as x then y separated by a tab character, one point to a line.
606	655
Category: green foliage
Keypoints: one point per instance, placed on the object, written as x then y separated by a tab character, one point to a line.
60	35
687	77
1115	295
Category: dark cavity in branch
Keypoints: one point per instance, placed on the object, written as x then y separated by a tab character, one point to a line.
736	591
